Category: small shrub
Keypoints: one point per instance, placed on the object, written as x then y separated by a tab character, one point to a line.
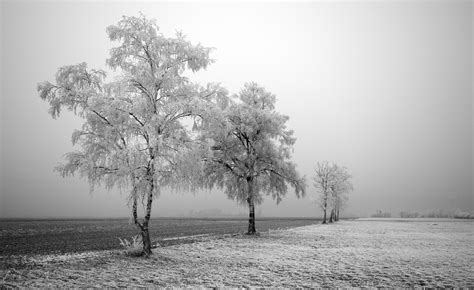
134	247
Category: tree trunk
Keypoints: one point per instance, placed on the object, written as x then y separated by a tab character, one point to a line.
331	217
325	213
337	215
135	214
251	229
135	219
146	241
143	227
145	233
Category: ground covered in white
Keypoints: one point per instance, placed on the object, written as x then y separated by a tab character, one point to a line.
359	253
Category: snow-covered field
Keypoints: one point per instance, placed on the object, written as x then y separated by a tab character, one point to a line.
373	253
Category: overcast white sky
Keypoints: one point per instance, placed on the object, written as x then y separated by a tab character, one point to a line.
384	88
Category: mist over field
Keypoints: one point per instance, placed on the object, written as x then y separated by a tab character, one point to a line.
383	88
243	145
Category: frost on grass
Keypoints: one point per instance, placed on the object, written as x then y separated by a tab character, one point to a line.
132	247
350	253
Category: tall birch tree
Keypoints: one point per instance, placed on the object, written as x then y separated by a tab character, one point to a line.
133	136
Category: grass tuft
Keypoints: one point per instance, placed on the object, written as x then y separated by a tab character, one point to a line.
132	247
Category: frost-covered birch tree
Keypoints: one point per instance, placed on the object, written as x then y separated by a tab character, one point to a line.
133	136
323	180
339	190
333	183
251	151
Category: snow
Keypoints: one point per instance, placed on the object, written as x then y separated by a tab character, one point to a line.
355	253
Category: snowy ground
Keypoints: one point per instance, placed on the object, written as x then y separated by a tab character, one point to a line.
373	253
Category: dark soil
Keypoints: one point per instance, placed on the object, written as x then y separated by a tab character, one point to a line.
48	236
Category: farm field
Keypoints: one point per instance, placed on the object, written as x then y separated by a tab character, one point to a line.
48	236
353	253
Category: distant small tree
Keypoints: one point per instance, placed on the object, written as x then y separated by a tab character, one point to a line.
333	183
340	203
133	136
324	179
341	186
251	148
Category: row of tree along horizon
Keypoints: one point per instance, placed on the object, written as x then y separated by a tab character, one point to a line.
136	136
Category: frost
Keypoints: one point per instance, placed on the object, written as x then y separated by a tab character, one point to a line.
359	253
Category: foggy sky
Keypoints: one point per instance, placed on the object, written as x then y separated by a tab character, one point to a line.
384	88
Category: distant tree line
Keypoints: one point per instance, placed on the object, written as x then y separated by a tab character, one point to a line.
381	214
435	213
464	215
407	214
